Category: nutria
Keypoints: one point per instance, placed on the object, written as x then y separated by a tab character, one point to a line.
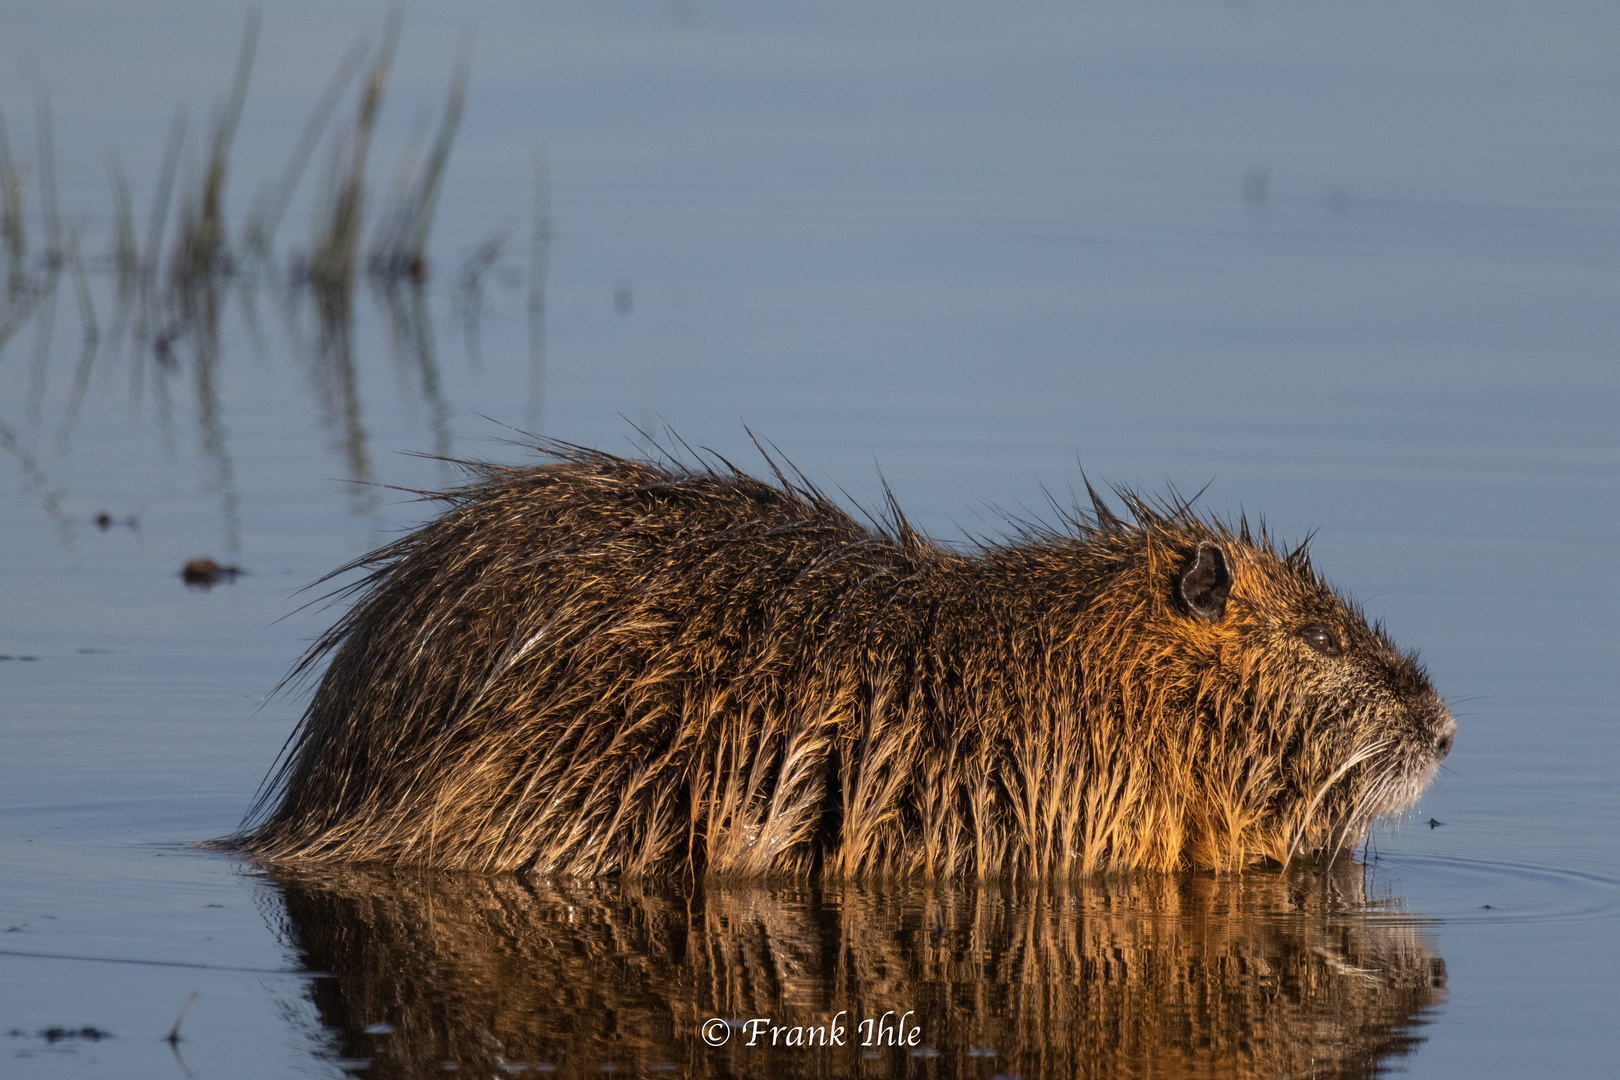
606	666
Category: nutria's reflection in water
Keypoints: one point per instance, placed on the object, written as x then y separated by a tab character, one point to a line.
1259	975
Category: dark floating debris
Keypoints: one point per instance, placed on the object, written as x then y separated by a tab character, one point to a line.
25	659
173	1038
1433	824
105	521
206	573
62	1034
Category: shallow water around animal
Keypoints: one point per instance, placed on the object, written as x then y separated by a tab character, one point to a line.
1354	269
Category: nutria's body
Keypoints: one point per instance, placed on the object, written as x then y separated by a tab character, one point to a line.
601	666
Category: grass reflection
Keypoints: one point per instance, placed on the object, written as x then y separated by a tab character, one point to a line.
1259	975
174	286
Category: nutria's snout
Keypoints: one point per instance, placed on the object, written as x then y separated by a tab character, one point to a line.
601	666
1445	735
1436	728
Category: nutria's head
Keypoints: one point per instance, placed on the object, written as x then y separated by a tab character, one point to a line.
1299	722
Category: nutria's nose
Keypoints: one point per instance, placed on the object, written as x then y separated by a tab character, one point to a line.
1445	734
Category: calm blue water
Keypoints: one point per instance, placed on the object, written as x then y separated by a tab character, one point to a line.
1358	270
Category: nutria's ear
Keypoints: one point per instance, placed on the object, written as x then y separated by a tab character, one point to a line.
1206	582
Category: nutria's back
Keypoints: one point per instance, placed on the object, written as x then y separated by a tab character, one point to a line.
599	665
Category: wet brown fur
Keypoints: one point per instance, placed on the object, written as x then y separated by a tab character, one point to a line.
605	666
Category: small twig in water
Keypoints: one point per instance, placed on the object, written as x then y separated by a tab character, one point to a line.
174	1032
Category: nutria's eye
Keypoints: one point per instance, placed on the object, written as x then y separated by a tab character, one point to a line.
1321	639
